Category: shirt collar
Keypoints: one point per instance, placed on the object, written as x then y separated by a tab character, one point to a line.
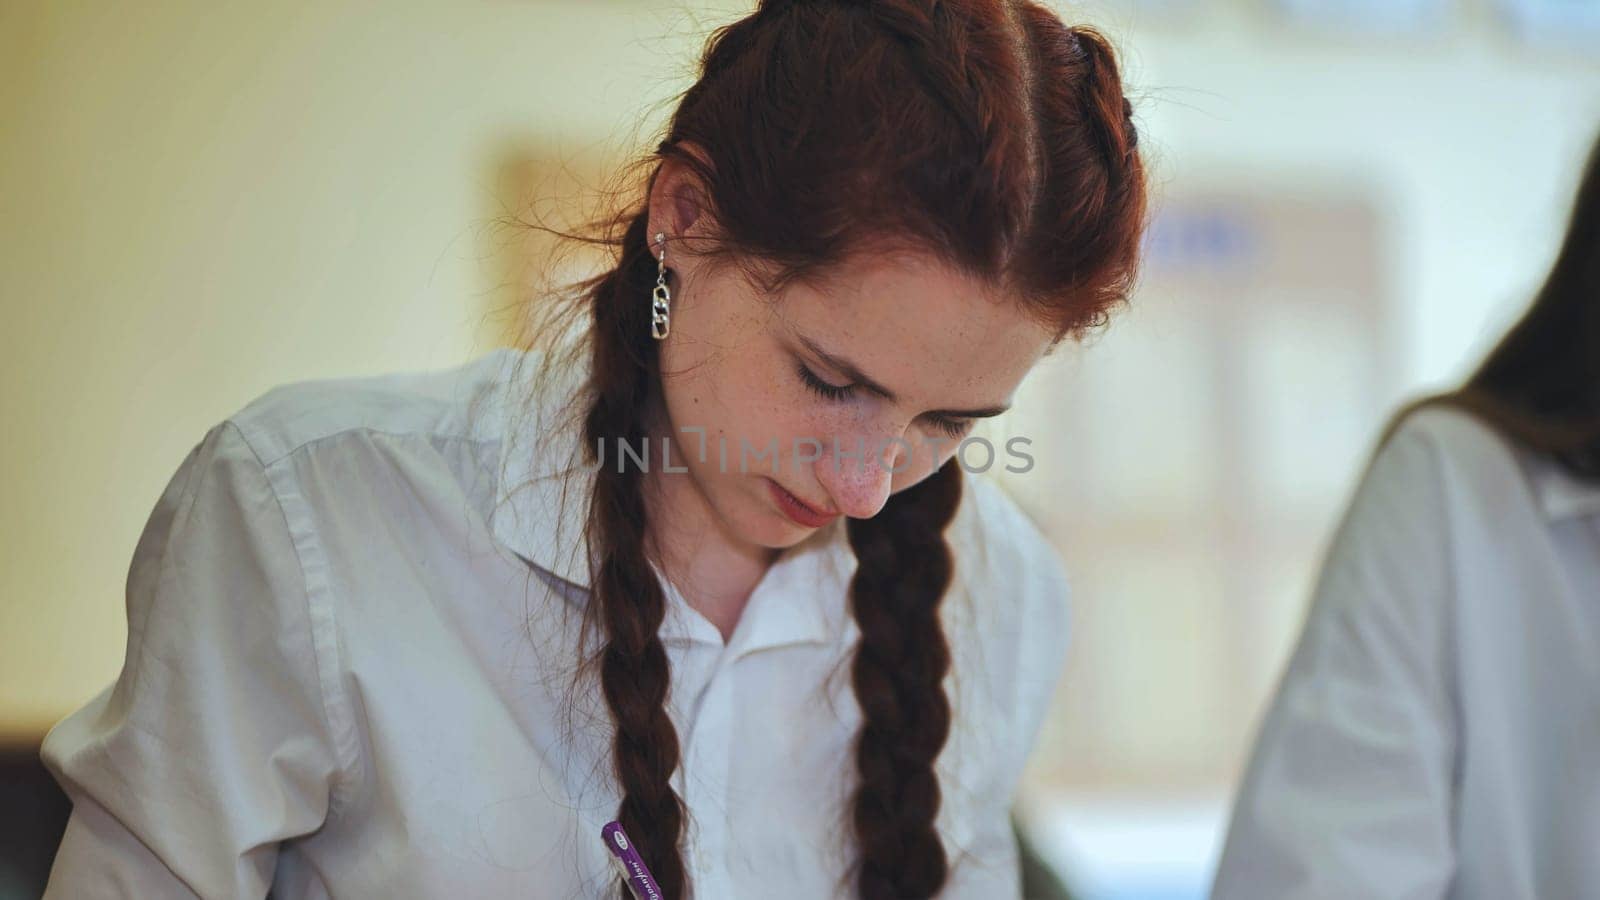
541	494
800	599
541	501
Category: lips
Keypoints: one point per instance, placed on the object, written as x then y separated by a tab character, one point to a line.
798	510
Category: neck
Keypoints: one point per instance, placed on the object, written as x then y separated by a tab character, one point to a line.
715	570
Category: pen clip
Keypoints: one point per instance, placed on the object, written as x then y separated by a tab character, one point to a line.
629	863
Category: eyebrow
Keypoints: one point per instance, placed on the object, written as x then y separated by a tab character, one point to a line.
850	371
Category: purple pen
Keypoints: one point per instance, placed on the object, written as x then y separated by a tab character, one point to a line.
629	862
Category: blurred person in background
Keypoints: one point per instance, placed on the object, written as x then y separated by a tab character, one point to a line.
1437	730
423	634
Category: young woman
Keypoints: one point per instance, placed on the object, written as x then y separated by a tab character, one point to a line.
1437	732
712	569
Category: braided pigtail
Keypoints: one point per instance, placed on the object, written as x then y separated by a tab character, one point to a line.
1110	113
1083	244
634	670
903	570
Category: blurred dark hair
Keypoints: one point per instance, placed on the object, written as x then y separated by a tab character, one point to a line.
983	132
1540	386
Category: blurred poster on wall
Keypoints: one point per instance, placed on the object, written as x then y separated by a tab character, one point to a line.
1191	460
537	188
1377	18
1569	24
1153	13
1166	7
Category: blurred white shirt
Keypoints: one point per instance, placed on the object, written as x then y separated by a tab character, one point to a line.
1437	730
344	678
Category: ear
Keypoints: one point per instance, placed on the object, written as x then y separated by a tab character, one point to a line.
677	199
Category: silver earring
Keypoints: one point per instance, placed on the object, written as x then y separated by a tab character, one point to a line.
660	300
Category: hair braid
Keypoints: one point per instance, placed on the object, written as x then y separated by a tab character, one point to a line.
903	569
634	670
1109	111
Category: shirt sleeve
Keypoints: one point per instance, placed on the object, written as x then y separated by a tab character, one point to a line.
213	744
1349	790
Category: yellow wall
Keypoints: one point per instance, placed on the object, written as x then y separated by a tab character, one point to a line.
202	200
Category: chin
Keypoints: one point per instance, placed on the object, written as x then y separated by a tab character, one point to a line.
777	533
765	526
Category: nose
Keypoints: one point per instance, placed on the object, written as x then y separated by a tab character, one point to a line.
858	471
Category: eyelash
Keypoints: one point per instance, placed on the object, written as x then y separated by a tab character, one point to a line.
953	427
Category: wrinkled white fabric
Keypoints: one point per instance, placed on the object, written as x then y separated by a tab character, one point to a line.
1437	730
352	623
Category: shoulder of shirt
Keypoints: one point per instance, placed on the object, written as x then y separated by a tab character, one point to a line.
1007	552
1469	456
443	402
1446	438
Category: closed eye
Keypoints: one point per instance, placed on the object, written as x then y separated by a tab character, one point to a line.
823	388
951	426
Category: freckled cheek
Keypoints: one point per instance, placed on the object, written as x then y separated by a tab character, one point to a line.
833	418
829	425
762	422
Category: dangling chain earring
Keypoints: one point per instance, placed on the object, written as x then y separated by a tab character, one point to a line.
660	309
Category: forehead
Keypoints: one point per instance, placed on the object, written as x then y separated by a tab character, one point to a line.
917	326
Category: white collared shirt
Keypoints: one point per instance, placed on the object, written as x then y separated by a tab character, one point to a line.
1437	730
348	670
